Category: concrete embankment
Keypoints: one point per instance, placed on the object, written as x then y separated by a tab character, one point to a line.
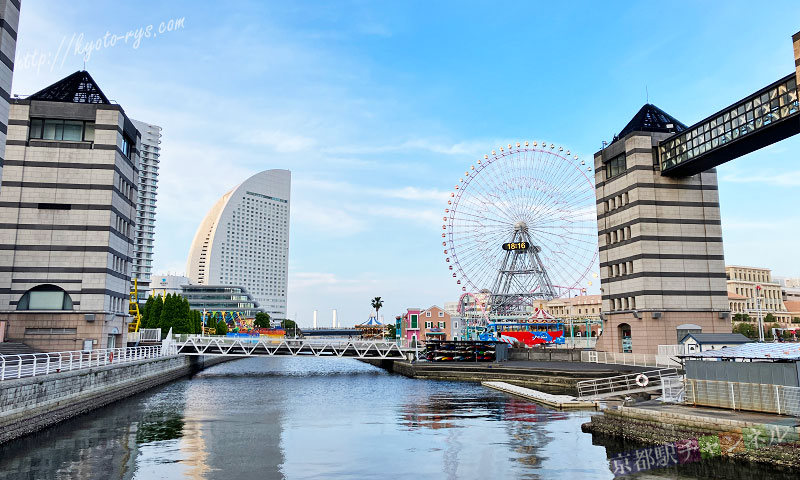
33	403
745	436
558	375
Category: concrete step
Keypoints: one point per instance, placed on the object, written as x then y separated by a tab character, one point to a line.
15	348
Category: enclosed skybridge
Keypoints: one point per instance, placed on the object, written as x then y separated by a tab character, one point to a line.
767	116
333	348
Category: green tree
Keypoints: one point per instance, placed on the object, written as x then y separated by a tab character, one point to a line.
222	327
742	317
148	307
795	319
770	318
377	303
155	312
746	329
262	320
391	331
291	327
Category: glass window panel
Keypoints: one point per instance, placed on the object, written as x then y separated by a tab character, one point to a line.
42	300
36	128
50	129
73	131
88	132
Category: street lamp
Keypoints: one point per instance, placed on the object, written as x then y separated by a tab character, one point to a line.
760	321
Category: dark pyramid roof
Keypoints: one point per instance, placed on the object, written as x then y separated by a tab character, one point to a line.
79	87
652	119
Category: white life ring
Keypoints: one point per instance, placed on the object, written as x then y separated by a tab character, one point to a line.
642	380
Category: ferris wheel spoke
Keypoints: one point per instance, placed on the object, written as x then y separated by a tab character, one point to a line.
540	189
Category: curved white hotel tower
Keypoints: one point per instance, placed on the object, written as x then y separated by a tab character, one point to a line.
244	240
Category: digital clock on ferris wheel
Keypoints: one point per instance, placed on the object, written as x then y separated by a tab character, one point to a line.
515	246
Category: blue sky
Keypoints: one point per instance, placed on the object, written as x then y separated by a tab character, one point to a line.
378	107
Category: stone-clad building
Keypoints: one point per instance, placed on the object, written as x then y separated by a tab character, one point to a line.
660	240
67	209
9	21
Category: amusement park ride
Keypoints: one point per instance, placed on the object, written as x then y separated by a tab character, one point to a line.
523	221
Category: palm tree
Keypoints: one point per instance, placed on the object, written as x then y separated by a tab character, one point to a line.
377	303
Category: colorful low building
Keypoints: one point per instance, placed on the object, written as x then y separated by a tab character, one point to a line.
410	323
435	324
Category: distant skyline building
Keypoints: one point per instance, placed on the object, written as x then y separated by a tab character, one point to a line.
67	208
231	299
9	22
149	160
244	241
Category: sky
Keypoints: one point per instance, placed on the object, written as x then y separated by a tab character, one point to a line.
377	108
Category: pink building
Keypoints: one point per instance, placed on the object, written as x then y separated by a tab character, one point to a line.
411	330
434	324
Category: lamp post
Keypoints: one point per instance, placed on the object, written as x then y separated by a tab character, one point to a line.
760	321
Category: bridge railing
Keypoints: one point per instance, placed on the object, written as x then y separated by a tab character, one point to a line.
36	364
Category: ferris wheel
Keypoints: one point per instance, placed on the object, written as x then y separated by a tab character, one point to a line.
520	227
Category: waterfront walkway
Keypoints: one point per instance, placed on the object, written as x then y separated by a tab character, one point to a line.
720	414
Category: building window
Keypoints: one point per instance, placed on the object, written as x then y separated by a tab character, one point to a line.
126	146
615	166
455	325
428	314
428	324
56	129
45	297
414	320
441	314
441	325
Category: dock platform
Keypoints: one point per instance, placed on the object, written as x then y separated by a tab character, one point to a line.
555	401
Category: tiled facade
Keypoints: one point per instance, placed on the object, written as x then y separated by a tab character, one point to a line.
9	21
149	158
660	242
244	240
67	212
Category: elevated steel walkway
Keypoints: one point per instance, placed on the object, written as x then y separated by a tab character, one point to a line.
765	117
244	347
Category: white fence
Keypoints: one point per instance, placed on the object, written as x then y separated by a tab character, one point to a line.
757	397
35	364
634	359
671	350
623	384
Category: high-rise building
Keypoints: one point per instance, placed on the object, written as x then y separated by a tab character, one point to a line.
244	240
67	208
146	205
9	21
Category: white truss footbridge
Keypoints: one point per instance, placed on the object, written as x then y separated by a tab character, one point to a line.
243	347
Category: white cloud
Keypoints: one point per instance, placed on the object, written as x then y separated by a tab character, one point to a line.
785	179
334	222
280	141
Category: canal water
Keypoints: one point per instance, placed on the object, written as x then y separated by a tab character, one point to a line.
265	418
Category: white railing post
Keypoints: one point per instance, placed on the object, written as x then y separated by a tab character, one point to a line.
19	366
777	400
733	398
3	373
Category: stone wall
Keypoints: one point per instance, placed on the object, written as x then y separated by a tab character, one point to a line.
654	427
31	404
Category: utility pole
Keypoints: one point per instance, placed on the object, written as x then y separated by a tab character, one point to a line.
760	321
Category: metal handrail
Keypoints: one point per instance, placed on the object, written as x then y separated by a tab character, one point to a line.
36	364
621	384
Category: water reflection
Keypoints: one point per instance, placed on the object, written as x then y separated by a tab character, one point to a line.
323	418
